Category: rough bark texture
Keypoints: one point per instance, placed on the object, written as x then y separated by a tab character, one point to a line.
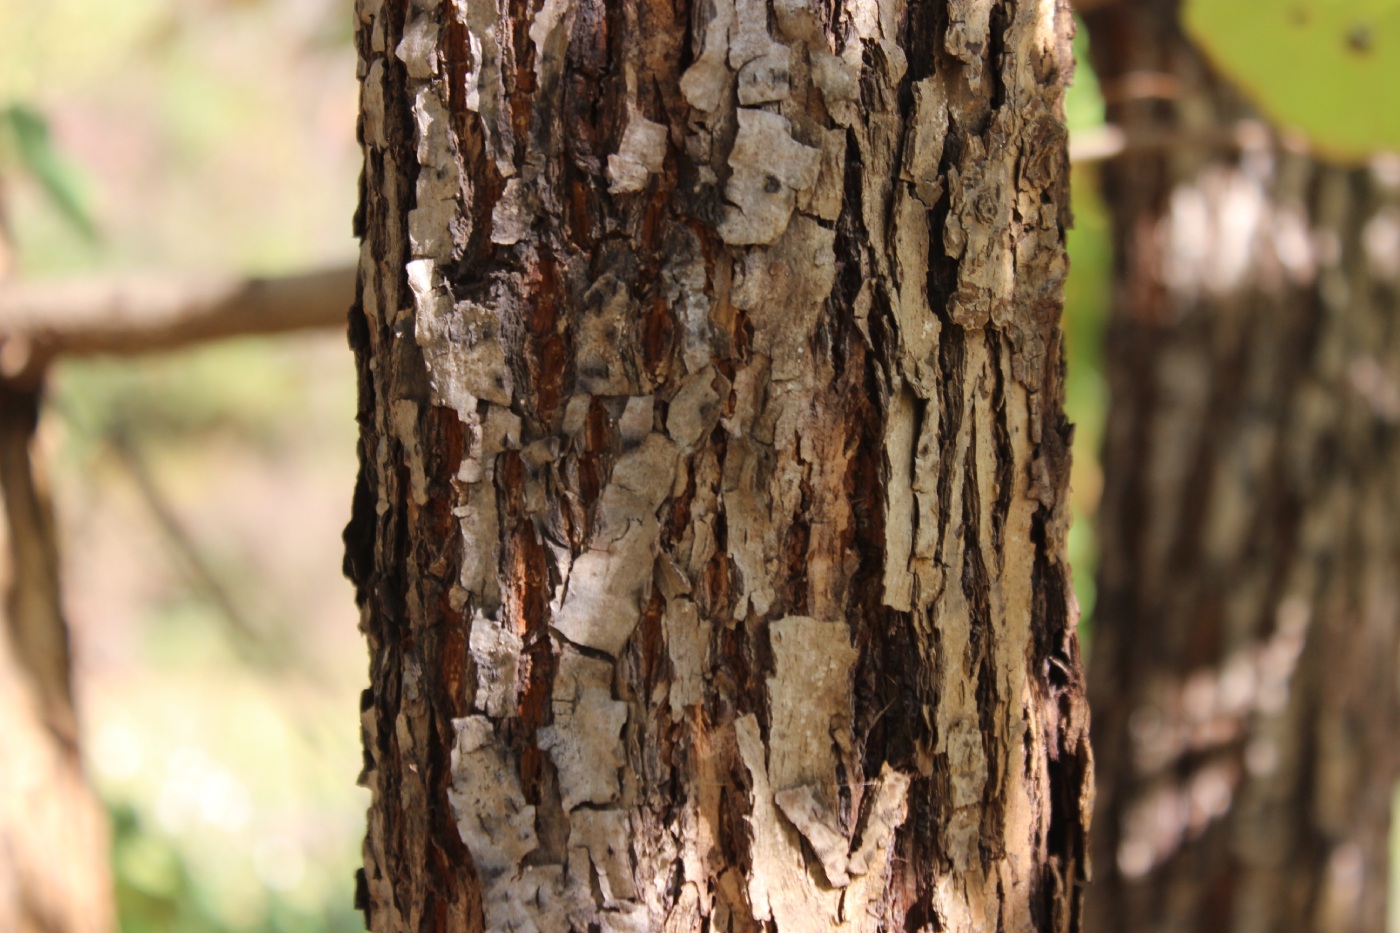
1244	666
54	876
710	531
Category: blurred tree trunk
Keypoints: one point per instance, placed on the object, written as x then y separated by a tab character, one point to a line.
709	535
1244	670
54	874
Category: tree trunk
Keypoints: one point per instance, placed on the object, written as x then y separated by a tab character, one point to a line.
1244	662
710	528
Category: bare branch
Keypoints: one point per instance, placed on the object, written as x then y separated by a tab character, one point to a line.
39	321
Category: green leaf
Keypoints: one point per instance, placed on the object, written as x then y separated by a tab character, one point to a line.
1329	68
38	156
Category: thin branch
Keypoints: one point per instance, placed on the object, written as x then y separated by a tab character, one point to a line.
39	321
184	546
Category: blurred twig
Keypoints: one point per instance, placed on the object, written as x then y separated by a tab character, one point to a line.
253	645
39	321
183	544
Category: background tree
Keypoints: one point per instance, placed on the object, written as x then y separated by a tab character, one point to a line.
54	876
710	531
1244	666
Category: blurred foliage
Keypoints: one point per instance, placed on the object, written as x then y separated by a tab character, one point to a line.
1329	68
155	891
228	771
217	135
163	886
171	399
1086	309
1084	105
26	146
211	134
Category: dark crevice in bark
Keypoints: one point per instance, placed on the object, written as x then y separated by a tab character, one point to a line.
795	601
951	366
996	55
924	20
976	584
1005	456
546	346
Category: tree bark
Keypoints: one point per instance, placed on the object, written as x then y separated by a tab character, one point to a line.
709	536
1243	672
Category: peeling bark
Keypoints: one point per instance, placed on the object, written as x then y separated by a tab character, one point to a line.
1248	622
709	538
